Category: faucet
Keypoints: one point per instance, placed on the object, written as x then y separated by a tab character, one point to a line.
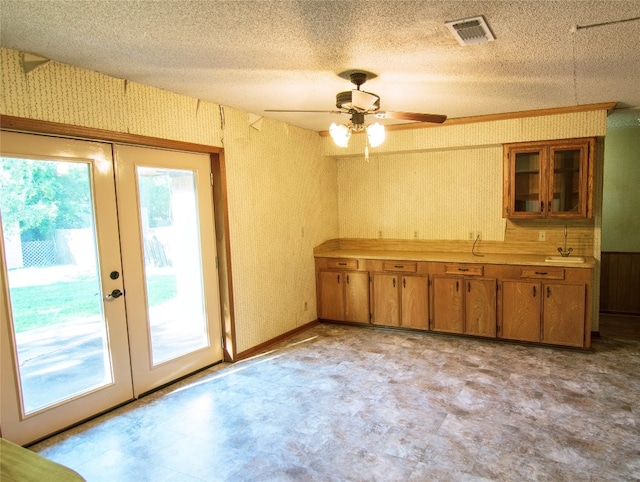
564	252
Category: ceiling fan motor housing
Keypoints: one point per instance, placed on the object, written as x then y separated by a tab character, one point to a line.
358	78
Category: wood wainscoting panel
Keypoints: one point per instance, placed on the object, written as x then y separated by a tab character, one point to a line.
620	283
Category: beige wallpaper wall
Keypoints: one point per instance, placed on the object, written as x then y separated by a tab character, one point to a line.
442	194
281	191
621	203
61	93
282	201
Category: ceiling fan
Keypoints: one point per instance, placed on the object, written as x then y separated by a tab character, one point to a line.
358	103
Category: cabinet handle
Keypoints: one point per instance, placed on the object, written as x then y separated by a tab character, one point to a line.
457	285
463	269
399	266
338	279
342	264
548	292
469	286
542	272
541	206
534	291
347	279
404	282
394	282
549	206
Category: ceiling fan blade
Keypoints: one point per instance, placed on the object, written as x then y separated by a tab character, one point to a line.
311	111
413	116
363	100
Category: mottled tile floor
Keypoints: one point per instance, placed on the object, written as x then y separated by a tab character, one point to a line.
342	403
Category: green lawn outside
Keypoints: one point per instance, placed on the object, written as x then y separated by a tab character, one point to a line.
47	305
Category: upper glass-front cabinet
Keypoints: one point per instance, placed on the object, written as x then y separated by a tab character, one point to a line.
548	179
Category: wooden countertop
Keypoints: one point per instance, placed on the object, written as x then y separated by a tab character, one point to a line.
485	258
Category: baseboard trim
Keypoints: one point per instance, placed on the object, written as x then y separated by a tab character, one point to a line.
619	313
274	341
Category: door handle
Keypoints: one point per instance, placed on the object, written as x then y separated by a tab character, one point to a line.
113	295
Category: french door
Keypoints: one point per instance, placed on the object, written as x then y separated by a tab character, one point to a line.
107	277
169	254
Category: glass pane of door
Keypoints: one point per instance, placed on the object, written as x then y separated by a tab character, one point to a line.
172	263
527	182
48	226
566	181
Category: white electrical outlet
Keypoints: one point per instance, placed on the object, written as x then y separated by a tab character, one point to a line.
542	235
379	234
415	234
471	236
305	306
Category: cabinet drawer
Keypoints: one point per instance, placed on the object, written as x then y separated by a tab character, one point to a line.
400	266
542	273
465	269
337	263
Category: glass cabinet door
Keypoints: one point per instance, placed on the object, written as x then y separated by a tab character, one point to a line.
527	177
566	186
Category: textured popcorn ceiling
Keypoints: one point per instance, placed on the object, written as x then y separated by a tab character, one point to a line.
256	55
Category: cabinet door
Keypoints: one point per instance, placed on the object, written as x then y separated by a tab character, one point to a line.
386	300
567	195
480	307
520	310
356	298
448	307
415	302
563	311
331	305
524	178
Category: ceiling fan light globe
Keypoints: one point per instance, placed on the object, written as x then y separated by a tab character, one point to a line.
376	134
340	134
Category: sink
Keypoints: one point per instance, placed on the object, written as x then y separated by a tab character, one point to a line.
563	259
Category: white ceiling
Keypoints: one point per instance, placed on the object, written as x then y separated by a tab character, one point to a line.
257	55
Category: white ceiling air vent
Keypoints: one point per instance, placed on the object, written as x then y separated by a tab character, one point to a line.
473	30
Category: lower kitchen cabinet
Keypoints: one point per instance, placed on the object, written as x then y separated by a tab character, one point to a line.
448	305
540	304
400	300
415	302
563	313
463	305
520	311
343	296
544	312
385	299
480	307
